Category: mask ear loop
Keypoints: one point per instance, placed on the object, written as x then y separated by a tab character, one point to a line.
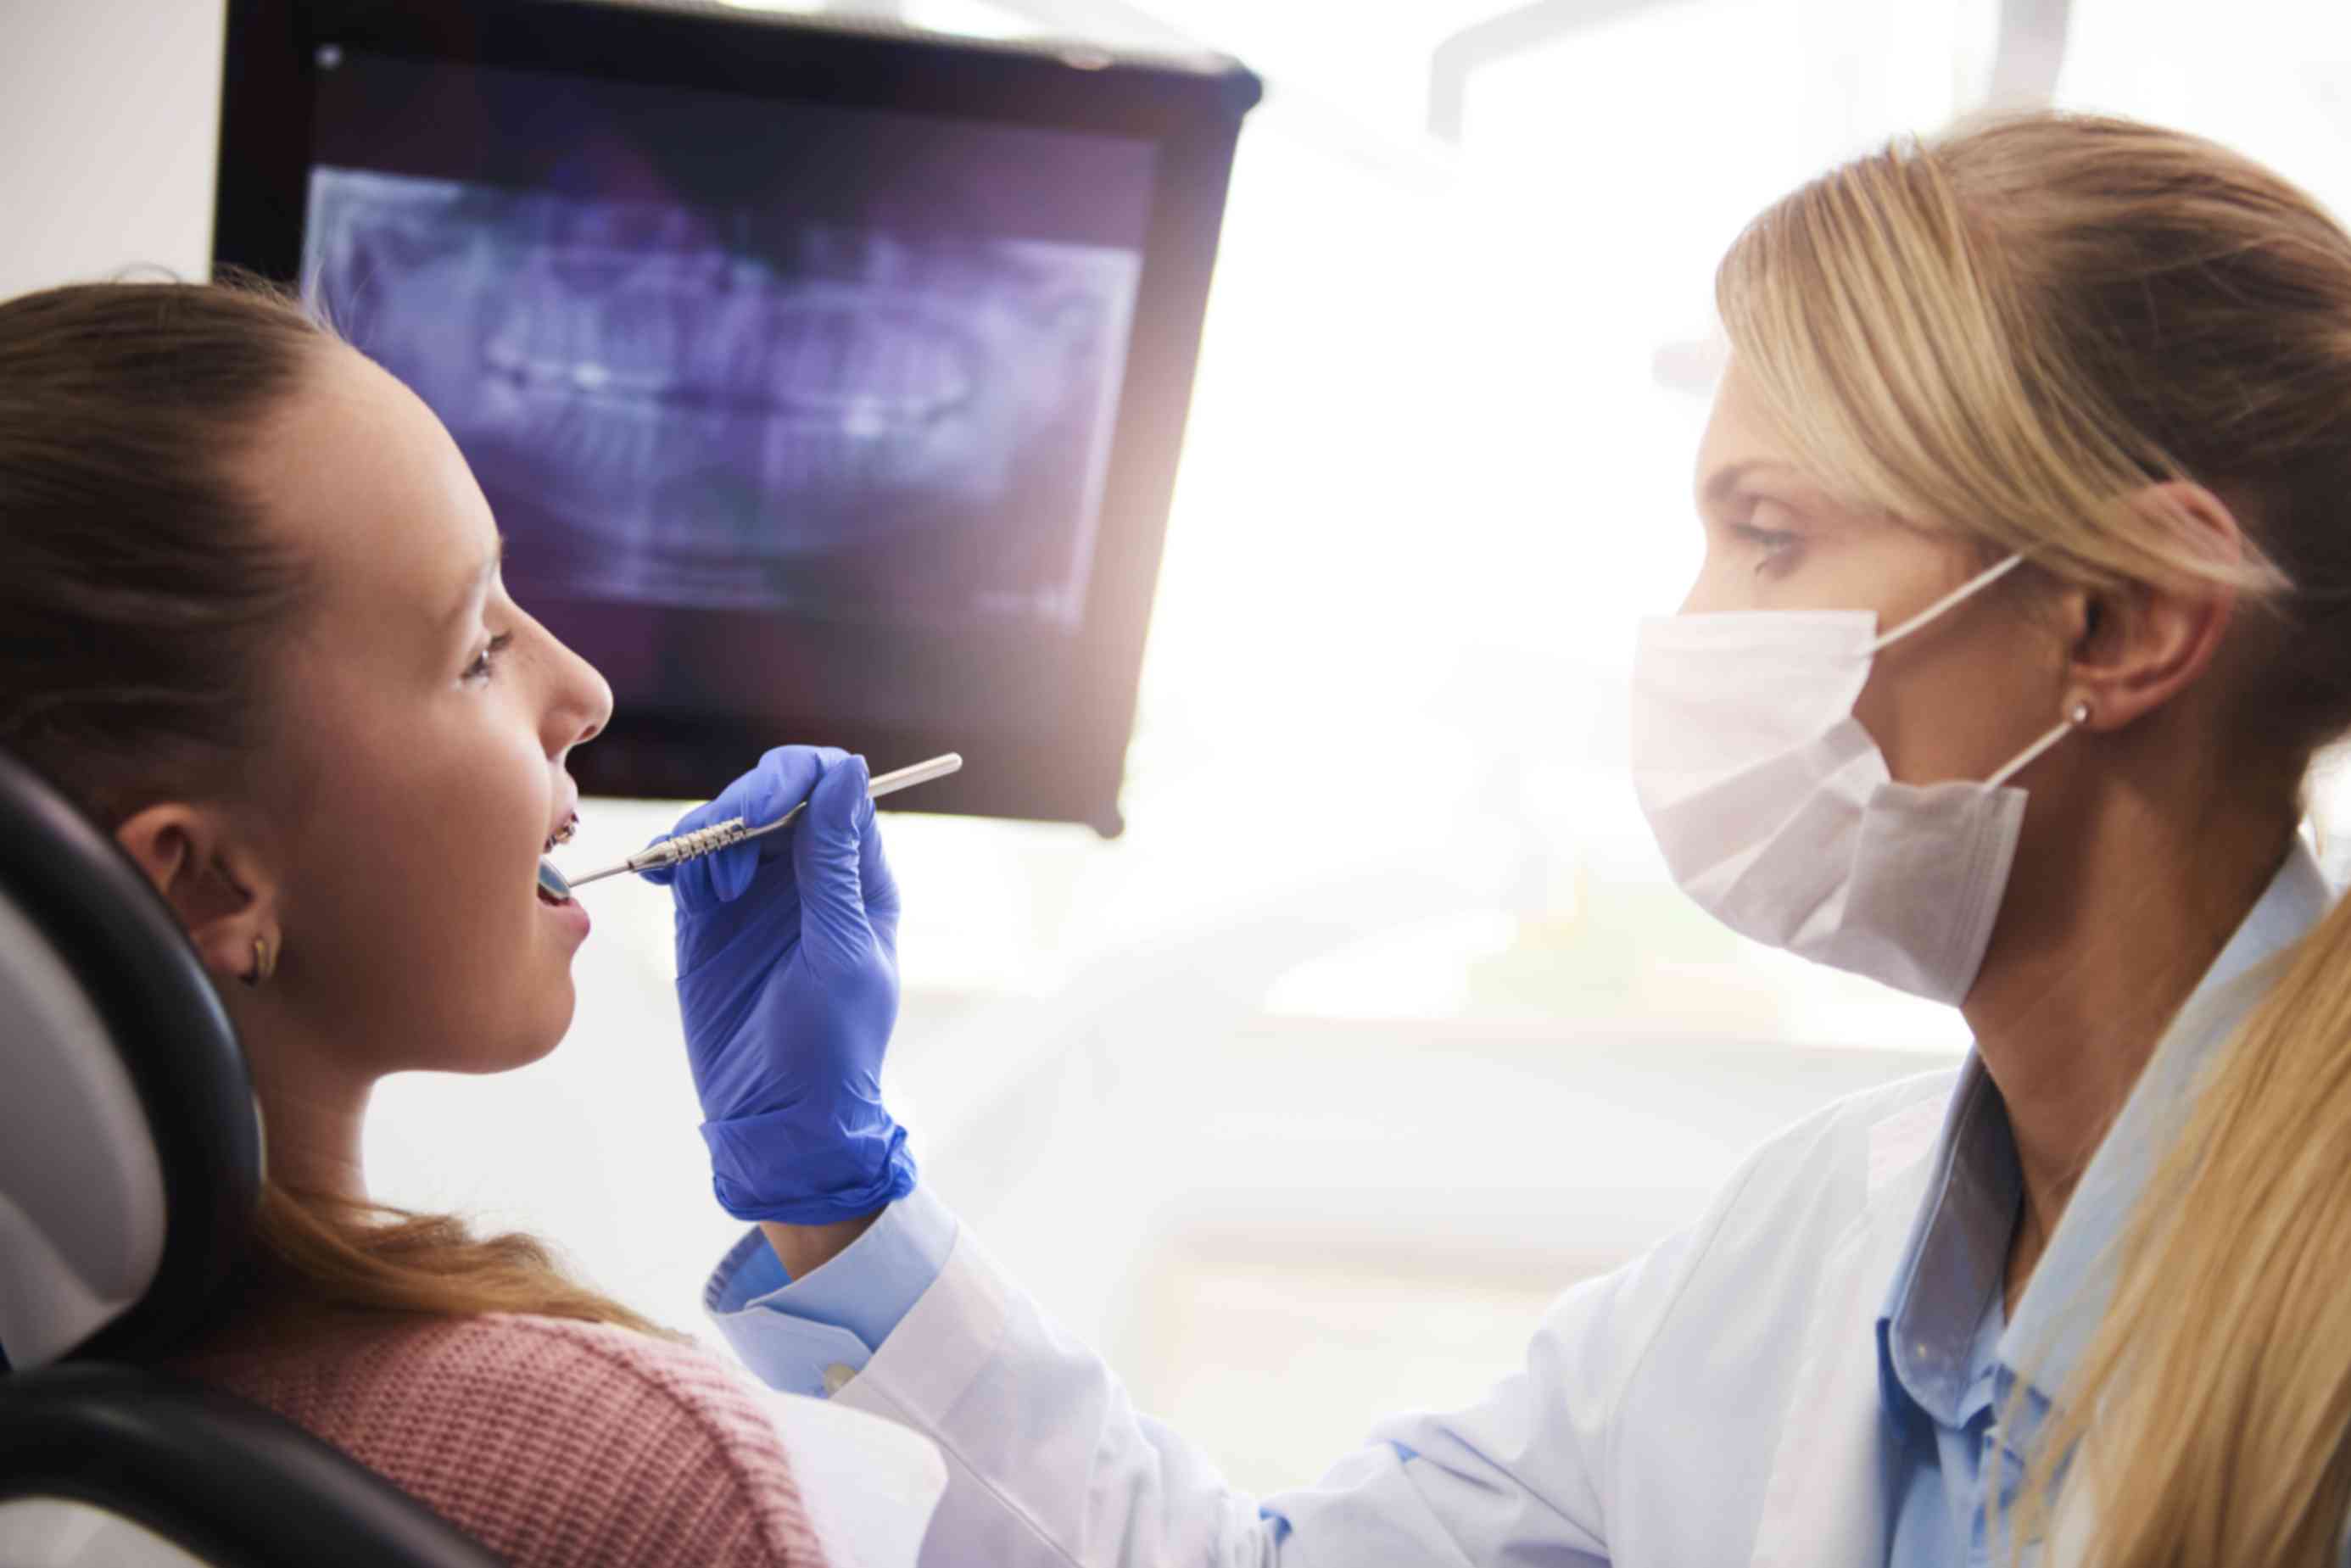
1975	584
2080	716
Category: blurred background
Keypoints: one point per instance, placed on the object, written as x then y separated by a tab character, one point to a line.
1382	1022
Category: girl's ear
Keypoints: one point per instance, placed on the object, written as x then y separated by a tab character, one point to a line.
224	898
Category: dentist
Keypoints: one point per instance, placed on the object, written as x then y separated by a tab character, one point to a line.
2021	617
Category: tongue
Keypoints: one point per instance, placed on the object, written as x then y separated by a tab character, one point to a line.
552	888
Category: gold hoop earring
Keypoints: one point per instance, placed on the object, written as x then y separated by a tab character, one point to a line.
264	962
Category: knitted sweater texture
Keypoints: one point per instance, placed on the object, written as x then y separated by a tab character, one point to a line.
552	1443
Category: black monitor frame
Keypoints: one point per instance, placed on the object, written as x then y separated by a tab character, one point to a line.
1062	764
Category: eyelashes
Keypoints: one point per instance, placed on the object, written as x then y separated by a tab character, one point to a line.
1772	548
1771	542
485	663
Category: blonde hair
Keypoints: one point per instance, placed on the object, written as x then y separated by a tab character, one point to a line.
2007	334
2219	1381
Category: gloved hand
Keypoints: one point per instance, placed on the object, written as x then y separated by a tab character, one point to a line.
788	978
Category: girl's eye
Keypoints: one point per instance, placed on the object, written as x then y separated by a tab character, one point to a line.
484	662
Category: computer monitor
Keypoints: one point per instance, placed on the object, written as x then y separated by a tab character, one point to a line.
826	382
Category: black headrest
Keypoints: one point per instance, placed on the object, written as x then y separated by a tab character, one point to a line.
109	935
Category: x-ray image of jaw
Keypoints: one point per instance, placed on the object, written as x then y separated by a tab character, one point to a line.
682	406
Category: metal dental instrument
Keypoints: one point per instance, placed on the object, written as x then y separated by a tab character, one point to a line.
720	835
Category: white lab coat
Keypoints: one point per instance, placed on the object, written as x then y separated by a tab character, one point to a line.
1661	1417
869	1487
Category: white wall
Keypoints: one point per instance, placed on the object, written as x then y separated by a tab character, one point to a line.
110	120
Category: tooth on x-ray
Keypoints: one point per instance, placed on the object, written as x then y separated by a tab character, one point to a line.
712	406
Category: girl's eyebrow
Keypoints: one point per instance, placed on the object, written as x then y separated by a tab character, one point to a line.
479	579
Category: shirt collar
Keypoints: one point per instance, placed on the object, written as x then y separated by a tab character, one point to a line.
1958	1251
1956	1258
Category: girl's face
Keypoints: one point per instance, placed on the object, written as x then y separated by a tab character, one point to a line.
422	724
1955	699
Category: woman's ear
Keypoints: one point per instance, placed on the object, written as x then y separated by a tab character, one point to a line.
2138	646
225	900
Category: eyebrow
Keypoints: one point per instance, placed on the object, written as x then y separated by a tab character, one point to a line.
1728	479
480	576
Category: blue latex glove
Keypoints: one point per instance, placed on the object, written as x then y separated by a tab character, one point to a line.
788	978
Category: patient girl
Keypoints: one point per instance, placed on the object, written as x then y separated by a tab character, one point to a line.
252	621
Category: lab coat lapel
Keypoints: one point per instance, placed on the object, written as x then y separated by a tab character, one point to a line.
1829	1498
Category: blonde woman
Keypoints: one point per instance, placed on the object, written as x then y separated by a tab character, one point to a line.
2023	610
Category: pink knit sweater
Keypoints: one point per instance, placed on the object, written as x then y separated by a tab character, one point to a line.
550	1442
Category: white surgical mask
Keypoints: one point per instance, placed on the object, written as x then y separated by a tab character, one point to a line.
1775	809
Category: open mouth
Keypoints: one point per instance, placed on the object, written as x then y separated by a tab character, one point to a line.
552	888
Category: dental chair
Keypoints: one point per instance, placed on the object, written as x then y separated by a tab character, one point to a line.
130	1160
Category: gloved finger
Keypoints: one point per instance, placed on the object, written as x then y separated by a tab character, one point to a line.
782	780
714	809
879	885
827	860
694	884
